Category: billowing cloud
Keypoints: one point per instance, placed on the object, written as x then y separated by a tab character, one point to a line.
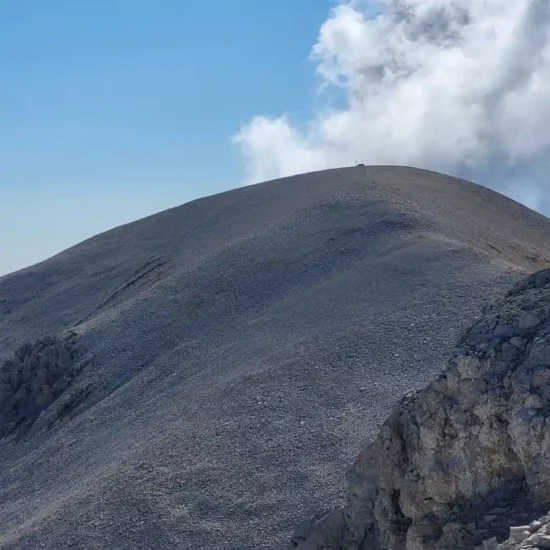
461	86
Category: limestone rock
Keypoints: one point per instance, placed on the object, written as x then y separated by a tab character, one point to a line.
537	537
458	461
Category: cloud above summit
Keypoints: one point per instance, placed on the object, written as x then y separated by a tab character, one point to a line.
461	86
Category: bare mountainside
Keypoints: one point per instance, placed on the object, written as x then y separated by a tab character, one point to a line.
204	377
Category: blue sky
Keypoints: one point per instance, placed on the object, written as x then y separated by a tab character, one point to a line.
114	109
111	110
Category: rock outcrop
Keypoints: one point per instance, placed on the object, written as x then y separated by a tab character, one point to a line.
535	535
466	458
33	378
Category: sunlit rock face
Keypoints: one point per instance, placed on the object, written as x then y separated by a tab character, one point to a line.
469	456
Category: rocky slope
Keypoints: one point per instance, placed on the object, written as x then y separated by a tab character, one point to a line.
466	458
232	355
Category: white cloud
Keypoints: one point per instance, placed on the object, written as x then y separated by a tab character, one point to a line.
461	86
272	146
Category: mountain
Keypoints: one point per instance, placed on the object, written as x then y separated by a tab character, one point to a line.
203	378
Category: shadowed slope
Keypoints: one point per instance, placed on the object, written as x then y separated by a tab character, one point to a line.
237	351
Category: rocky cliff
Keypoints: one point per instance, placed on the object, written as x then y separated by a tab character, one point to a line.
463	460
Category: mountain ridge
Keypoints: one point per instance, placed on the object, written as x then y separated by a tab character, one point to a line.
235	352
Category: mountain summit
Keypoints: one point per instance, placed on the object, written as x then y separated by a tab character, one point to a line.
202	378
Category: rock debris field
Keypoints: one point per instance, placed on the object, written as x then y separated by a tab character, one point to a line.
203	378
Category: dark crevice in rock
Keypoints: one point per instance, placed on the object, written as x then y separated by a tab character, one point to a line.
72	403
139	274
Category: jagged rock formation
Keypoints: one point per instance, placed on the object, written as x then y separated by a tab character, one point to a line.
534	535
31	380
464	459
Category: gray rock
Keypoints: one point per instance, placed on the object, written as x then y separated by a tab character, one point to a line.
475	443
326	527
535	526
519	534
490	544
528	320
